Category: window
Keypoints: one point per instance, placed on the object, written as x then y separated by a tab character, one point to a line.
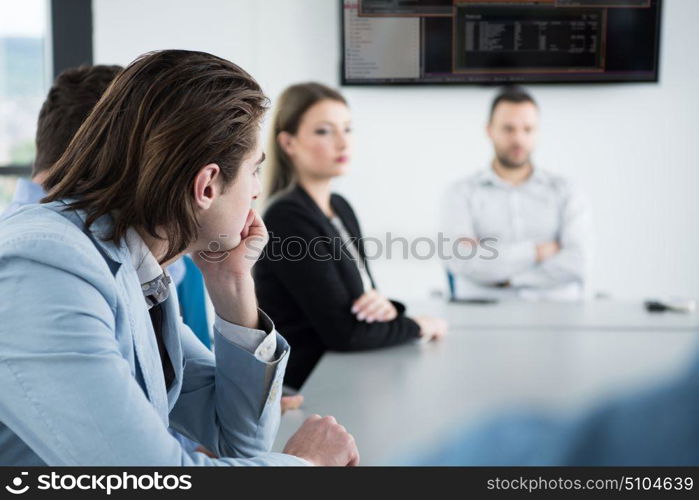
38	40
23	77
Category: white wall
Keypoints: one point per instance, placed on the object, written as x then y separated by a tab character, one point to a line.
632	148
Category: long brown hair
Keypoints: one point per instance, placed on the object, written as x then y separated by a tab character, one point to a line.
289	111
164	117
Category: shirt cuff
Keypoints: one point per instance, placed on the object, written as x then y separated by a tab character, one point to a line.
262	343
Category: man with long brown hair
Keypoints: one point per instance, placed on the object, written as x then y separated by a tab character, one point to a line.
95	359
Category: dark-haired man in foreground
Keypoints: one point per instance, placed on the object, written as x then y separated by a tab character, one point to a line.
73	94
97	361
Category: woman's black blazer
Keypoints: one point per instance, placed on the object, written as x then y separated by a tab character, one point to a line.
307	283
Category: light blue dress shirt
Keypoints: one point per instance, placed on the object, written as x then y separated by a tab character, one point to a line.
81	381
510	221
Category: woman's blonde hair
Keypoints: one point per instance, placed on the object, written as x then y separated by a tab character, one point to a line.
290	108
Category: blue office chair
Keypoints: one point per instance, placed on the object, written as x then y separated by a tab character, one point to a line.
191	293
452	286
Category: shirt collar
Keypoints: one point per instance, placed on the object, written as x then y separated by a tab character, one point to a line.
488	176
537	176
155	282
27	191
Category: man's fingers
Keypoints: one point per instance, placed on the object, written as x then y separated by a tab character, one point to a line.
354	457
257	222
248	222
255	230
291	402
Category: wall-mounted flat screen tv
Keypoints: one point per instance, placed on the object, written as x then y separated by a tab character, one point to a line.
484	41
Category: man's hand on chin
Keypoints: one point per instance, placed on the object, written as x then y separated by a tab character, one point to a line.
228	274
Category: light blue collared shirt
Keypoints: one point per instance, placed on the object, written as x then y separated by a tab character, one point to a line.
28	192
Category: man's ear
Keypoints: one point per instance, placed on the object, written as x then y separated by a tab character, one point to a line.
286	142
206	185
489	130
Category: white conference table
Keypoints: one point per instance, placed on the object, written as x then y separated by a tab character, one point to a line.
399	400
592	315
